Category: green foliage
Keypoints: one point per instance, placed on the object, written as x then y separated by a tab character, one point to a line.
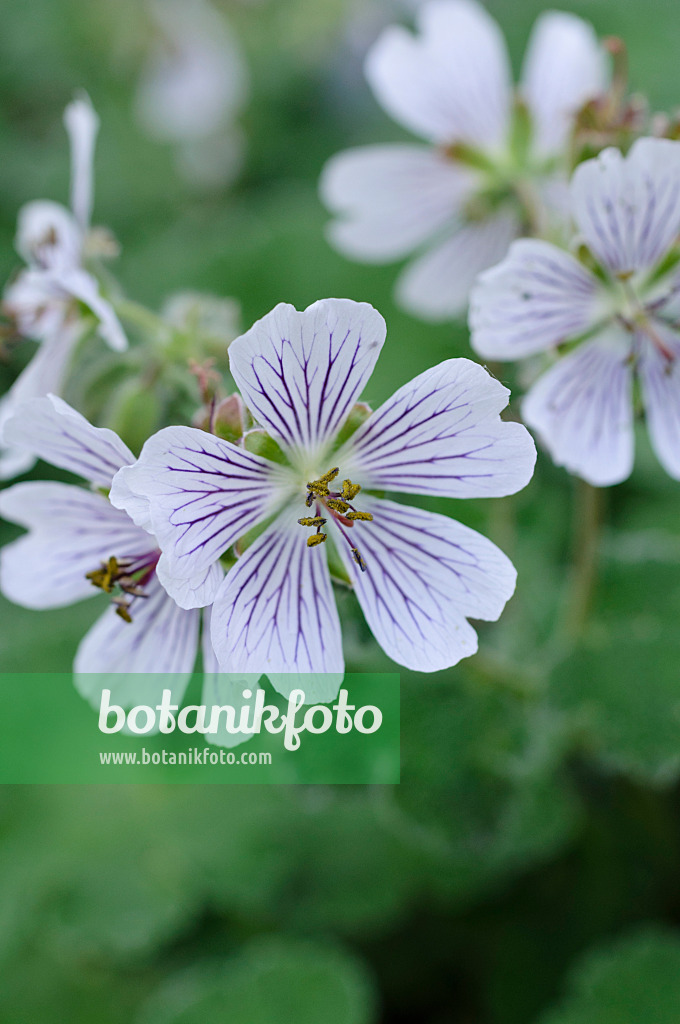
634	979
537	818
270	981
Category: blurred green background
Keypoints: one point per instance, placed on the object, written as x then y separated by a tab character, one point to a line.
527	869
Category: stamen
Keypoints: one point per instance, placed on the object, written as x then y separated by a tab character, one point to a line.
338	505
350	490
123	609
316	538
358	559
125	575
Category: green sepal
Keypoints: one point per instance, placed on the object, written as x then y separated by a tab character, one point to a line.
258	442
521	133
358	414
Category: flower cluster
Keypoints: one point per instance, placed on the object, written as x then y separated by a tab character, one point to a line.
228	534
495	160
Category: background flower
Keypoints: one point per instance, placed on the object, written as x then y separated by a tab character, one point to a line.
627	211
461	199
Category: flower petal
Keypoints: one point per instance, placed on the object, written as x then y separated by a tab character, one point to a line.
195	592
390	199
85	288
441	434
452	81
437	285
582	409
538	297
48	236
72	532
660	383
275	612
37	305
425	575
628	208
44	373
203	494
162	638
564	67
82	125
225	688
49	428
301	373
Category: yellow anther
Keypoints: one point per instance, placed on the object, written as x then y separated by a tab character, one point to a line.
319	489
316	538
330	475
350	490
338	505
358	559
104	578
312	521
123	610
366	516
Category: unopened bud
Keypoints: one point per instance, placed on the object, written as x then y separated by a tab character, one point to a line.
229	418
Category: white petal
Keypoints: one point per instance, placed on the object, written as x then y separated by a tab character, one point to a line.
564	67
162	637
195	592
538	297
390	199
442	434
37	304
52	430
628	208
45	373
84	287
452	81
72	531
660	383
437	285
275	612
82	125
48	236
203	494
195	79
425	576
225	688
301	373
582	409
122	496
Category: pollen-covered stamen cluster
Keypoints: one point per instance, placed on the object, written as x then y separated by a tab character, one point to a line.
339	506
125	579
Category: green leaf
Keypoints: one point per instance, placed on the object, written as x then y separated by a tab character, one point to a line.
272	981
633	981
623	701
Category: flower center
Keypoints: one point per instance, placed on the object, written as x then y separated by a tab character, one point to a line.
125	579
338	505
638	315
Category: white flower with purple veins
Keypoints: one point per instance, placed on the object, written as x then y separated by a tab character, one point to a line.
418	576
46	299
79	545
618	300
491	163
